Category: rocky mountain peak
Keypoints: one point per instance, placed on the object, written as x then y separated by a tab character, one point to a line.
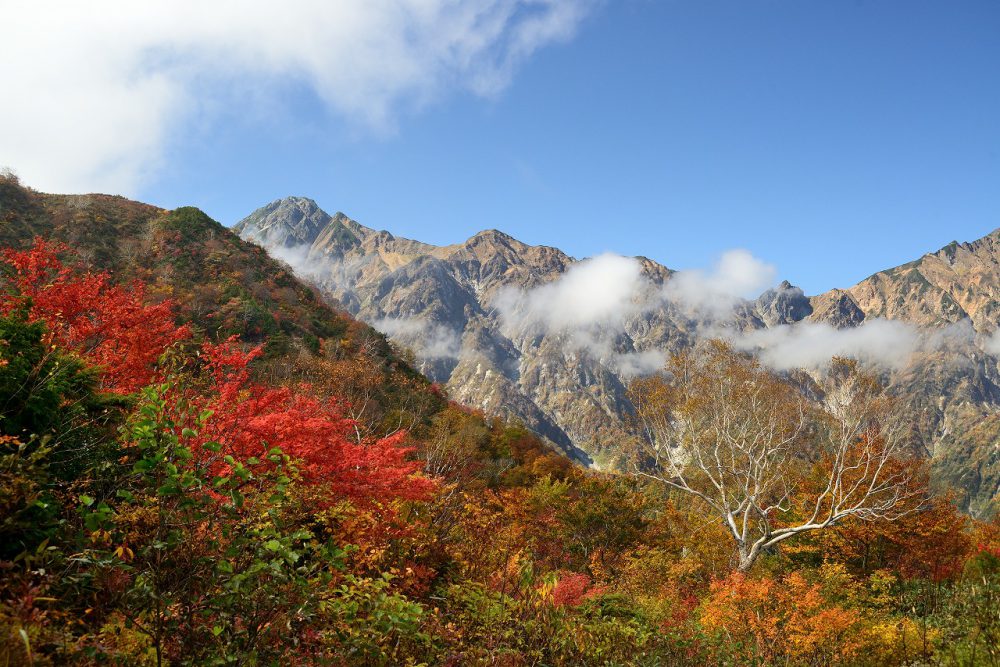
836	307
784	304
442	302
492	235
493	241
960	281
288	222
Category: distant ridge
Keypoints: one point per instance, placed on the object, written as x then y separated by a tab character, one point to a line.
441	301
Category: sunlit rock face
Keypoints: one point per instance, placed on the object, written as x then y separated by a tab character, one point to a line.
505	326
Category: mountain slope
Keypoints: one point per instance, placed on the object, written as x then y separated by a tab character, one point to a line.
959	281
224	286
432	299
447	304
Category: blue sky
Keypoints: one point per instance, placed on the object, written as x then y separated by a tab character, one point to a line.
831	139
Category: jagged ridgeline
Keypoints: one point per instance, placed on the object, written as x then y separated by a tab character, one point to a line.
466	311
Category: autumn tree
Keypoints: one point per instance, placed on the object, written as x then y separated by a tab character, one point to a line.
931	544
766	461
72	345
111	326
379	400
790	621
248	418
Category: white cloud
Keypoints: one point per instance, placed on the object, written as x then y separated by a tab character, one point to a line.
428	340
633	364
953	338
592	300
297	257
737	275
94	90
601	291
991	343
589	304
881	342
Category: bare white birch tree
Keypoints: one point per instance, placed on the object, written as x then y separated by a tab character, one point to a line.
768	462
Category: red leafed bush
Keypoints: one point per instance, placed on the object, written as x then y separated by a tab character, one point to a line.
988	550
109	325
570	590
250	418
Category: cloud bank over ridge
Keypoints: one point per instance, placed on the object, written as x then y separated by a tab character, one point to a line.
594	298
597	292
880	342
590	304
603	291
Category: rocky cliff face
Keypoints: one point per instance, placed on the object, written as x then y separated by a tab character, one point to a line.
958	282
460	308
952	389
434	300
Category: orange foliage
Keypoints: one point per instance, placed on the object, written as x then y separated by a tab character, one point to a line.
932	543
787	619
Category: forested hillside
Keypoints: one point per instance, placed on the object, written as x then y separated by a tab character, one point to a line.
202	462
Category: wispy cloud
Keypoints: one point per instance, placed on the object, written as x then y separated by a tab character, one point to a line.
100	87
592	301
886	344
991	343
736	275
632	364
601	291
604	291
594	298
812	344
428	340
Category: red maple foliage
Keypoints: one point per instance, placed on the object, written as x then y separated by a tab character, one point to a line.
109	325
249	418
113	329
570	590
573	588
988	550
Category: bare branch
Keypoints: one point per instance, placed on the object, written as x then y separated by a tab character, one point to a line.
749	445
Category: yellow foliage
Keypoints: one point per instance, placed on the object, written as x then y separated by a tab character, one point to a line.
127	642
894	641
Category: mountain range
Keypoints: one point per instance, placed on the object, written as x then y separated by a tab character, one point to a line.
532	334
